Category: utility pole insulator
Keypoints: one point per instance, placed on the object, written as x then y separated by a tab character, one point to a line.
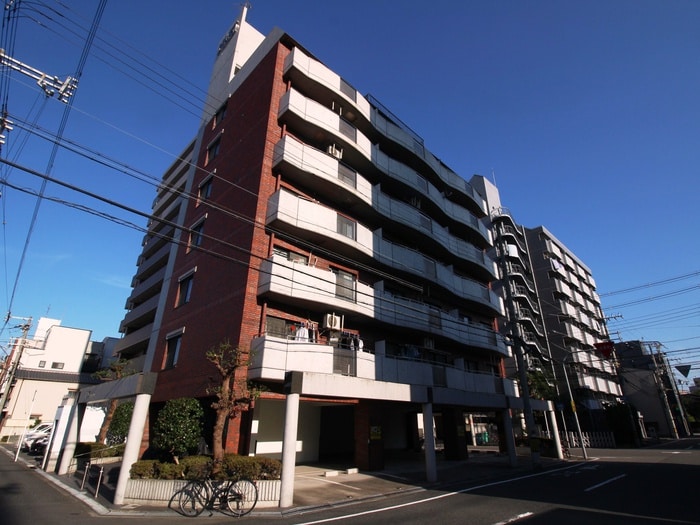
50	84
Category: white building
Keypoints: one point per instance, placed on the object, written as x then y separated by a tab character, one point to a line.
44	369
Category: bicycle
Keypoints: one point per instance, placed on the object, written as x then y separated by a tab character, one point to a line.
237	497
565	451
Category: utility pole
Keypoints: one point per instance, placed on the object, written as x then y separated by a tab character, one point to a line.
12	363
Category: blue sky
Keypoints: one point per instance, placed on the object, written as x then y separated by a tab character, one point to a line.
586	115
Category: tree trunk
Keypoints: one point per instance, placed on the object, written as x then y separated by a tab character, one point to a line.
102	436
218	441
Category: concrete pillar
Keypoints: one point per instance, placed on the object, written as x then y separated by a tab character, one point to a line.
69	441
133	444
507	424
429	443
554	432
472	430
289	450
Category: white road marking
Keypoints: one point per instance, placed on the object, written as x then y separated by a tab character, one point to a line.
605	482
515	518
434	498
316	478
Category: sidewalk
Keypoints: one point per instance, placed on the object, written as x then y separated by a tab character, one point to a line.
325	486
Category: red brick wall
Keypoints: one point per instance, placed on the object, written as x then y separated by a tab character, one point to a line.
224	303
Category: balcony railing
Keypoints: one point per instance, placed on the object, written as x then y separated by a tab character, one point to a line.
274	356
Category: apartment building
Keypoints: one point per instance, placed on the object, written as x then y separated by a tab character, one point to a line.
317	231
575	323
553	315
649	385
524	324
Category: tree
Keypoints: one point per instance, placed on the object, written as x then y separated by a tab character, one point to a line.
540	386
234	393
178	428
119	427
116	370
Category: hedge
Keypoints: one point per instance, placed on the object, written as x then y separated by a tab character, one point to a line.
194	467
98	450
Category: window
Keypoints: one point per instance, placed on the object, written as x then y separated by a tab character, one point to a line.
42	364
344	285
347	175
290	256
184	289
204	191
426	223
57	366
172	350
212	150
429	266
196	234
219	116
346	227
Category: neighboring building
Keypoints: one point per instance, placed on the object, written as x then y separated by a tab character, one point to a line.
553	314
516	283
574	322
318	232
648	385
45	368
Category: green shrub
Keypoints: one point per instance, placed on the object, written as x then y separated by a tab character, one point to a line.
269	468
119	426
91	449
144	469
197	467
235	466
178	427
168	471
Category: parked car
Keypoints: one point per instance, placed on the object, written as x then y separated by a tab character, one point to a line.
39	445
43	430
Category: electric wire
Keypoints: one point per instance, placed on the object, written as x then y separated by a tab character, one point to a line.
418	313
64	121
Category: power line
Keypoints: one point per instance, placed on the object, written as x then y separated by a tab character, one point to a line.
649	285
54	152
394	301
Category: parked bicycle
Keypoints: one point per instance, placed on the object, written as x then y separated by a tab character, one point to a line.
237	498
565	451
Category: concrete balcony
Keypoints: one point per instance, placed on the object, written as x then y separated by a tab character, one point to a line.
312	288
274	356
309	118
143	311
149	286
319	224
324	84
321	171
150	264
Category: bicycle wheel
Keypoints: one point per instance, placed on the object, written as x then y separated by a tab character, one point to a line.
241	497
193	498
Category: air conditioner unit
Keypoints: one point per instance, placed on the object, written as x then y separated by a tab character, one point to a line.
335	152
332	321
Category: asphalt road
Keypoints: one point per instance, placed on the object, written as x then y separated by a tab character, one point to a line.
641	487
